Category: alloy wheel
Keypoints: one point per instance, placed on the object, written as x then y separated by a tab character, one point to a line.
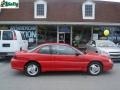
32	69
95	68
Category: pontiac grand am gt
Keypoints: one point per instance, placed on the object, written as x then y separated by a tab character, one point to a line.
59	57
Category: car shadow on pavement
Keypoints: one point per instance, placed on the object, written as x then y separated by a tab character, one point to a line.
61	74
18	73
72	74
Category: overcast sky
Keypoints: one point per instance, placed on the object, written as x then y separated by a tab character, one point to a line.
112	0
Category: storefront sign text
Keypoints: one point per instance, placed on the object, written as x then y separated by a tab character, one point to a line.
9	4
29	31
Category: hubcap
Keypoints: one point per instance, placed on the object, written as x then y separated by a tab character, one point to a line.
32	69
94	69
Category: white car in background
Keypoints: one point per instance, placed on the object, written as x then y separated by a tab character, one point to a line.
11	41
104	47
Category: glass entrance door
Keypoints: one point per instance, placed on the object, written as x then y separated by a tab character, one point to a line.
64	37
61	37
64	34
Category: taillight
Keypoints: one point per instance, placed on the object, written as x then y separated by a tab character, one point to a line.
14	36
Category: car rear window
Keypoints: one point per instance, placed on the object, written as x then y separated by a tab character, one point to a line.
7	35
45	50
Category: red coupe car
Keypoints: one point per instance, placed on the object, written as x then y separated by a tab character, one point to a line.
59	57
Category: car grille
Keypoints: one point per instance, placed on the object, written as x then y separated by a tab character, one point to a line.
115	56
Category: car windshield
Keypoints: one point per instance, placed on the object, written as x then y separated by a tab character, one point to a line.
105	43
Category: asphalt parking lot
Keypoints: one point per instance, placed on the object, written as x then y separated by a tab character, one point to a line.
15	80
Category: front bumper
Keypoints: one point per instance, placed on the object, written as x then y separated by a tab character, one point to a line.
108	66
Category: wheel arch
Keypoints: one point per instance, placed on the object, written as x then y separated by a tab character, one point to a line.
95	61
33	61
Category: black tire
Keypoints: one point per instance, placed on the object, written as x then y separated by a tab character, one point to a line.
95	68
32	69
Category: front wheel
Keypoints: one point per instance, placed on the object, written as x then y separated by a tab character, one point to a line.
94	68
32	69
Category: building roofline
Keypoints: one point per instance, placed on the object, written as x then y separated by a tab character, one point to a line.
58	23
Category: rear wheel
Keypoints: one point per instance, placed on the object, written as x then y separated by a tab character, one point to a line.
32	69
95	68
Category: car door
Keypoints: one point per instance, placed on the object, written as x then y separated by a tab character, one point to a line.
44	57
65	58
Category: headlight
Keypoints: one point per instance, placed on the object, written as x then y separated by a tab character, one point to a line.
104	53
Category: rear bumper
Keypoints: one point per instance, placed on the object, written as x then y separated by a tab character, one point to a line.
17	64
6	54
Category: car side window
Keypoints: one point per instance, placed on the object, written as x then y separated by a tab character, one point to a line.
7	35
44	50
63	50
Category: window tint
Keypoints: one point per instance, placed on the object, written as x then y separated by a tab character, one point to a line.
63	50
0	35
7	35
45	50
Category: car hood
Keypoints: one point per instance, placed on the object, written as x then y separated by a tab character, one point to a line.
94	55
109	49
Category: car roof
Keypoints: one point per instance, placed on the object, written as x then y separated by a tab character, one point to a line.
52	44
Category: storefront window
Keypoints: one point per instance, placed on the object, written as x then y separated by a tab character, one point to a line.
47	34
29	32
81	36
114	33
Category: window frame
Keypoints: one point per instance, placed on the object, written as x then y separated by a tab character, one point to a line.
35	9
93	10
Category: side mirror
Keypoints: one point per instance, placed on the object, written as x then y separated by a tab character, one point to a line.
77	54
93	45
